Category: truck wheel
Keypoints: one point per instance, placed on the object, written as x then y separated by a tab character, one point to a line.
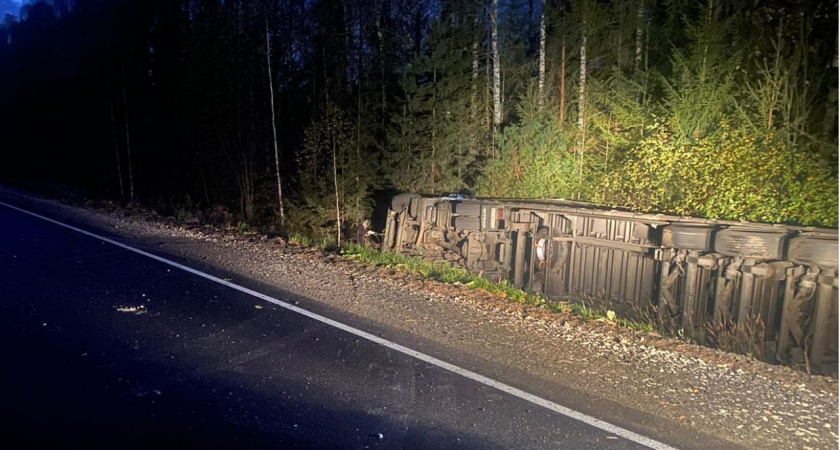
750	244
814	251
687	238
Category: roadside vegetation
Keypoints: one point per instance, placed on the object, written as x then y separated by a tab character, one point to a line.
446	273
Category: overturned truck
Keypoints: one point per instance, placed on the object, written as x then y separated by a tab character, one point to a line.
775	284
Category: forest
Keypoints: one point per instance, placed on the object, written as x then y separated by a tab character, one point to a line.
302	115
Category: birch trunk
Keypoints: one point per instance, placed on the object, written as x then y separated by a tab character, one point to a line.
831	111
640	15
359	62
434	126
582	87
542	54
563	83
474	87
128	146
348	45
582	101
497	76
488	94
117	150
335	184
274	127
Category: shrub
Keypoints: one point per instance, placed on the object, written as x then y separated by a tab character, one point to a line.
733	174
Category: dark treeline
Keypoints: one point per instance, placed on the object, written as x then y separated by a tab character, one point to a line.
295	112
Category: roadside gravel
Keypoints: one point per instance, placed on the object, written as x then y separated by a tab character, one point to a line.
745	402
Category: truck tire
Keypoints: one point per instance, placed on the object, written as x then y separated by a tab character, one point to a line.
750	243
814	251
687	238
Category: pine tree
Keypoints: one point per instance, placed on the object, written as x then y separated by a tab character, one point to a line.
335	181
437	138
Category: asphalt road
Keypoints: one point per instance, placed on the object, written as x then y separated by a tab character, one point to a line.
103	347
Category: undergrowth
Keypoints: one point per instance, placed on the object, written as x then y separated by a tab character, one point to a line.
327	243
446	273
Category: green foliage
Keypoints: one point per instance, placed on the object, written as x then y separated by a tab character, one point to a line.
325	243
733	174
536	159
698	93
184	215
301	240
242	226
446	273
439	271
332	164
443	272
437	136
217	215
790	89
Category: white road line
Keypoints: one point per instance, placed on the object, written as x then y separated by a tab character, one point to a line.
589	420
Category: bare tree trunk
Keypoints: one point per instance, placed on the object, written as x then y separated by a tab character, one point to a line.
497	76
248	196
117	150
582	87
582	101
274	126
488	116
335	184
640	15
360	46
542	54
348	43
711	6
830	122
434	126
206	192
243	167
128	146
563	83
474	87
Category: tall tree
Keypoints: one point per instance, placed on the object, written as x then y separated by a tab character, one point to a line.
438	138
497	71
274	126
542	53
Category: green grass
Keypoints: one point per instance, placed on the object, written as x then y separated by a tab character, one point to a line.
243	227
326	243
446	273
300	240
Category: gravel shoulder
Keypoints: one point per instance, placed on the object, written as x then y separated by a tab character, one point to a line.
681	387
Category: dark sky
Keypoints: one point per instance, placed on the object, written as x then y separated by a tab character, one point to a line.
9	7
